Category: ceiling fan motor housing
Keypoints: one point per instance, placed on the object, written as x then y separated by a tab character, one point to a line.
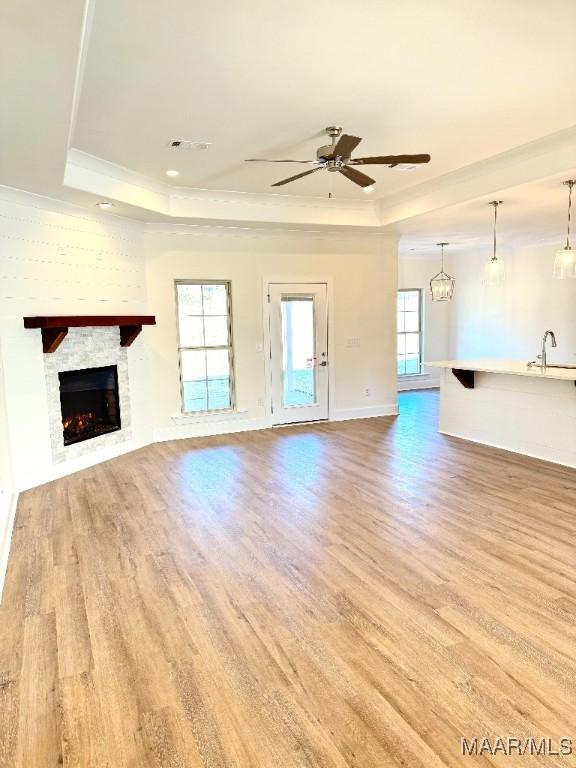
323	153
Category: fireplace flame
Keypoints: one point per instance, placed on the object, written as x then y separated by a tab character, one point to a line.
79	423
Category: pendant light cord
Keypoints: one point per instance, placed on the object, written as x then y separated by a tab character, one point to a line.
442	256
570	185
495	221
495	204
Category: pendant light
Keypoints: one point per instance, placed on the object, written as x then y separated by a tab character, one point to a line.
494	269
565	261
442	285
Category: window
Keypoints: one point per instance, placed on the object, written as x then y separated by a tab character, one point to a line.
409	354
205	345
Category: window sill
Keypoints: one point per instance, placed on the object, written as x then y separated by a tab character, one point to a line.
208	416
407	376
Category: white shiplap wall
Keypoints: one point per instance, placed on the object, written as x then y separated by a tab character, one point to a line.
59	260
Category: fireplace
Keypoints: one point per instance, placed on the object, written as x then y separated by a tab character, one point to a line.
89	403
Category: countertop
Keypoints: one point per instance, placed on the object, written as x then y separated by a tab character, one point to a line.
513	367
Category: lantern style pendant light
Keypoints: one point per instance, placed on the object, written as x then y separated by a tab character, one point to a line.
565	261
494	270
442	285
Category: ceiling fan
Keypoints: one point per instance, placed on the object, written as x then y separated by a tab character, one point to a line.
337	157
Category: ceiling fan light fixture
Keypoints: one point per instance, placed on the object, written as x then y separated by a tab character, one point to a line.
370	188
565	260
494	270
442	284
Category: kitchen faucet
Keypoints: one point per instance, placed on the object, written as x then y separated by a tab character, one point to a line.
542	357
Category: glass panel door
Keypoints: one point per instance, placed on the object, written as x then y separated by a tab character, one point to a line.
298	351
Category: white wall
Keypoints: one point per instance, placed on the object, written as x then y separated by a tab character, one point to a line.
363	273
58	260
414	272
508	322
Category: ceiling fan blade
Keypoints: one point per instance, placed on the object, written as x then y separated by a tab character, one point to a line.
345	146
391	160
262	160
358	178
298	176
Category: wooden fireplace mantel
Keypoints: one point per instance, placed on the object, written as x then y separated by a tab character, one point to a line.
55	327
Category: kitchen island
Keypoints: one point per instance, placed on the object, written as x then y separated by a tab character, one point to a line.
507	404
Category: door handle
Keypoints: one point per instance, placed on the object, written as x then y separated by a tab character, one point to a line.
324	363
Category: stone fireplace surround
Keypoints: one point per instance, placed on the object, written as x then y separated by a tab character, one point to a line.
90	347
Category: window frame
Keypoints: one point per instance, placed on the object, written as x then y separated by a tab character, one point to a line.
420	330
230	346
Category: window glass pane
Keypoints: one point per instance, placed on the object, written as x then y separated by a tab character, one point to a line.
218	370
412	364
190	298
216	331
410	321
298	374
204	322
215	299
195	392
412	343
412	301
409	335
191	330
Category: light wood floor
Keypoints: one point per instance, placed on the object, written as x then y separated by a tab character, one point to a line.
349	594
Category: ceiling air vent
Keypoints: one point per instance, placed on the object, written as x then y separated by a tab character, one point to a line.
198	146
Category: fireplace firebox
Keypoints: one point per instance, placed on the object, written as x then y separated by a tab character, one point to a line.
89	402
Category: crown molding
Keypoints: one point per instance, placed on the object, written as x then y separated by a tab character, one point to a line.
110	181
538	159
253	230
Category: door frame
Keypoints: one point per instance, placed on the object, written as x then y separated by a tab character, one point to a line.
267	340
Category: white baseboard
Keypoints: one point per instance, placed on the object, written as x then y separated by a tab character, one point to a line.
229	426
418	381
527	453
8	503
195	428
367	412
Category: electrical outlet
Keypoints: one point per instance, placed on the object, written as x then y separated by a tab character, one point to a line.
366	391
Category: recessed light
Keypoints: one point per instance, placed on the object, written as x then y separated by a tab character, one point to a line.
105	205
172	172
369	189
